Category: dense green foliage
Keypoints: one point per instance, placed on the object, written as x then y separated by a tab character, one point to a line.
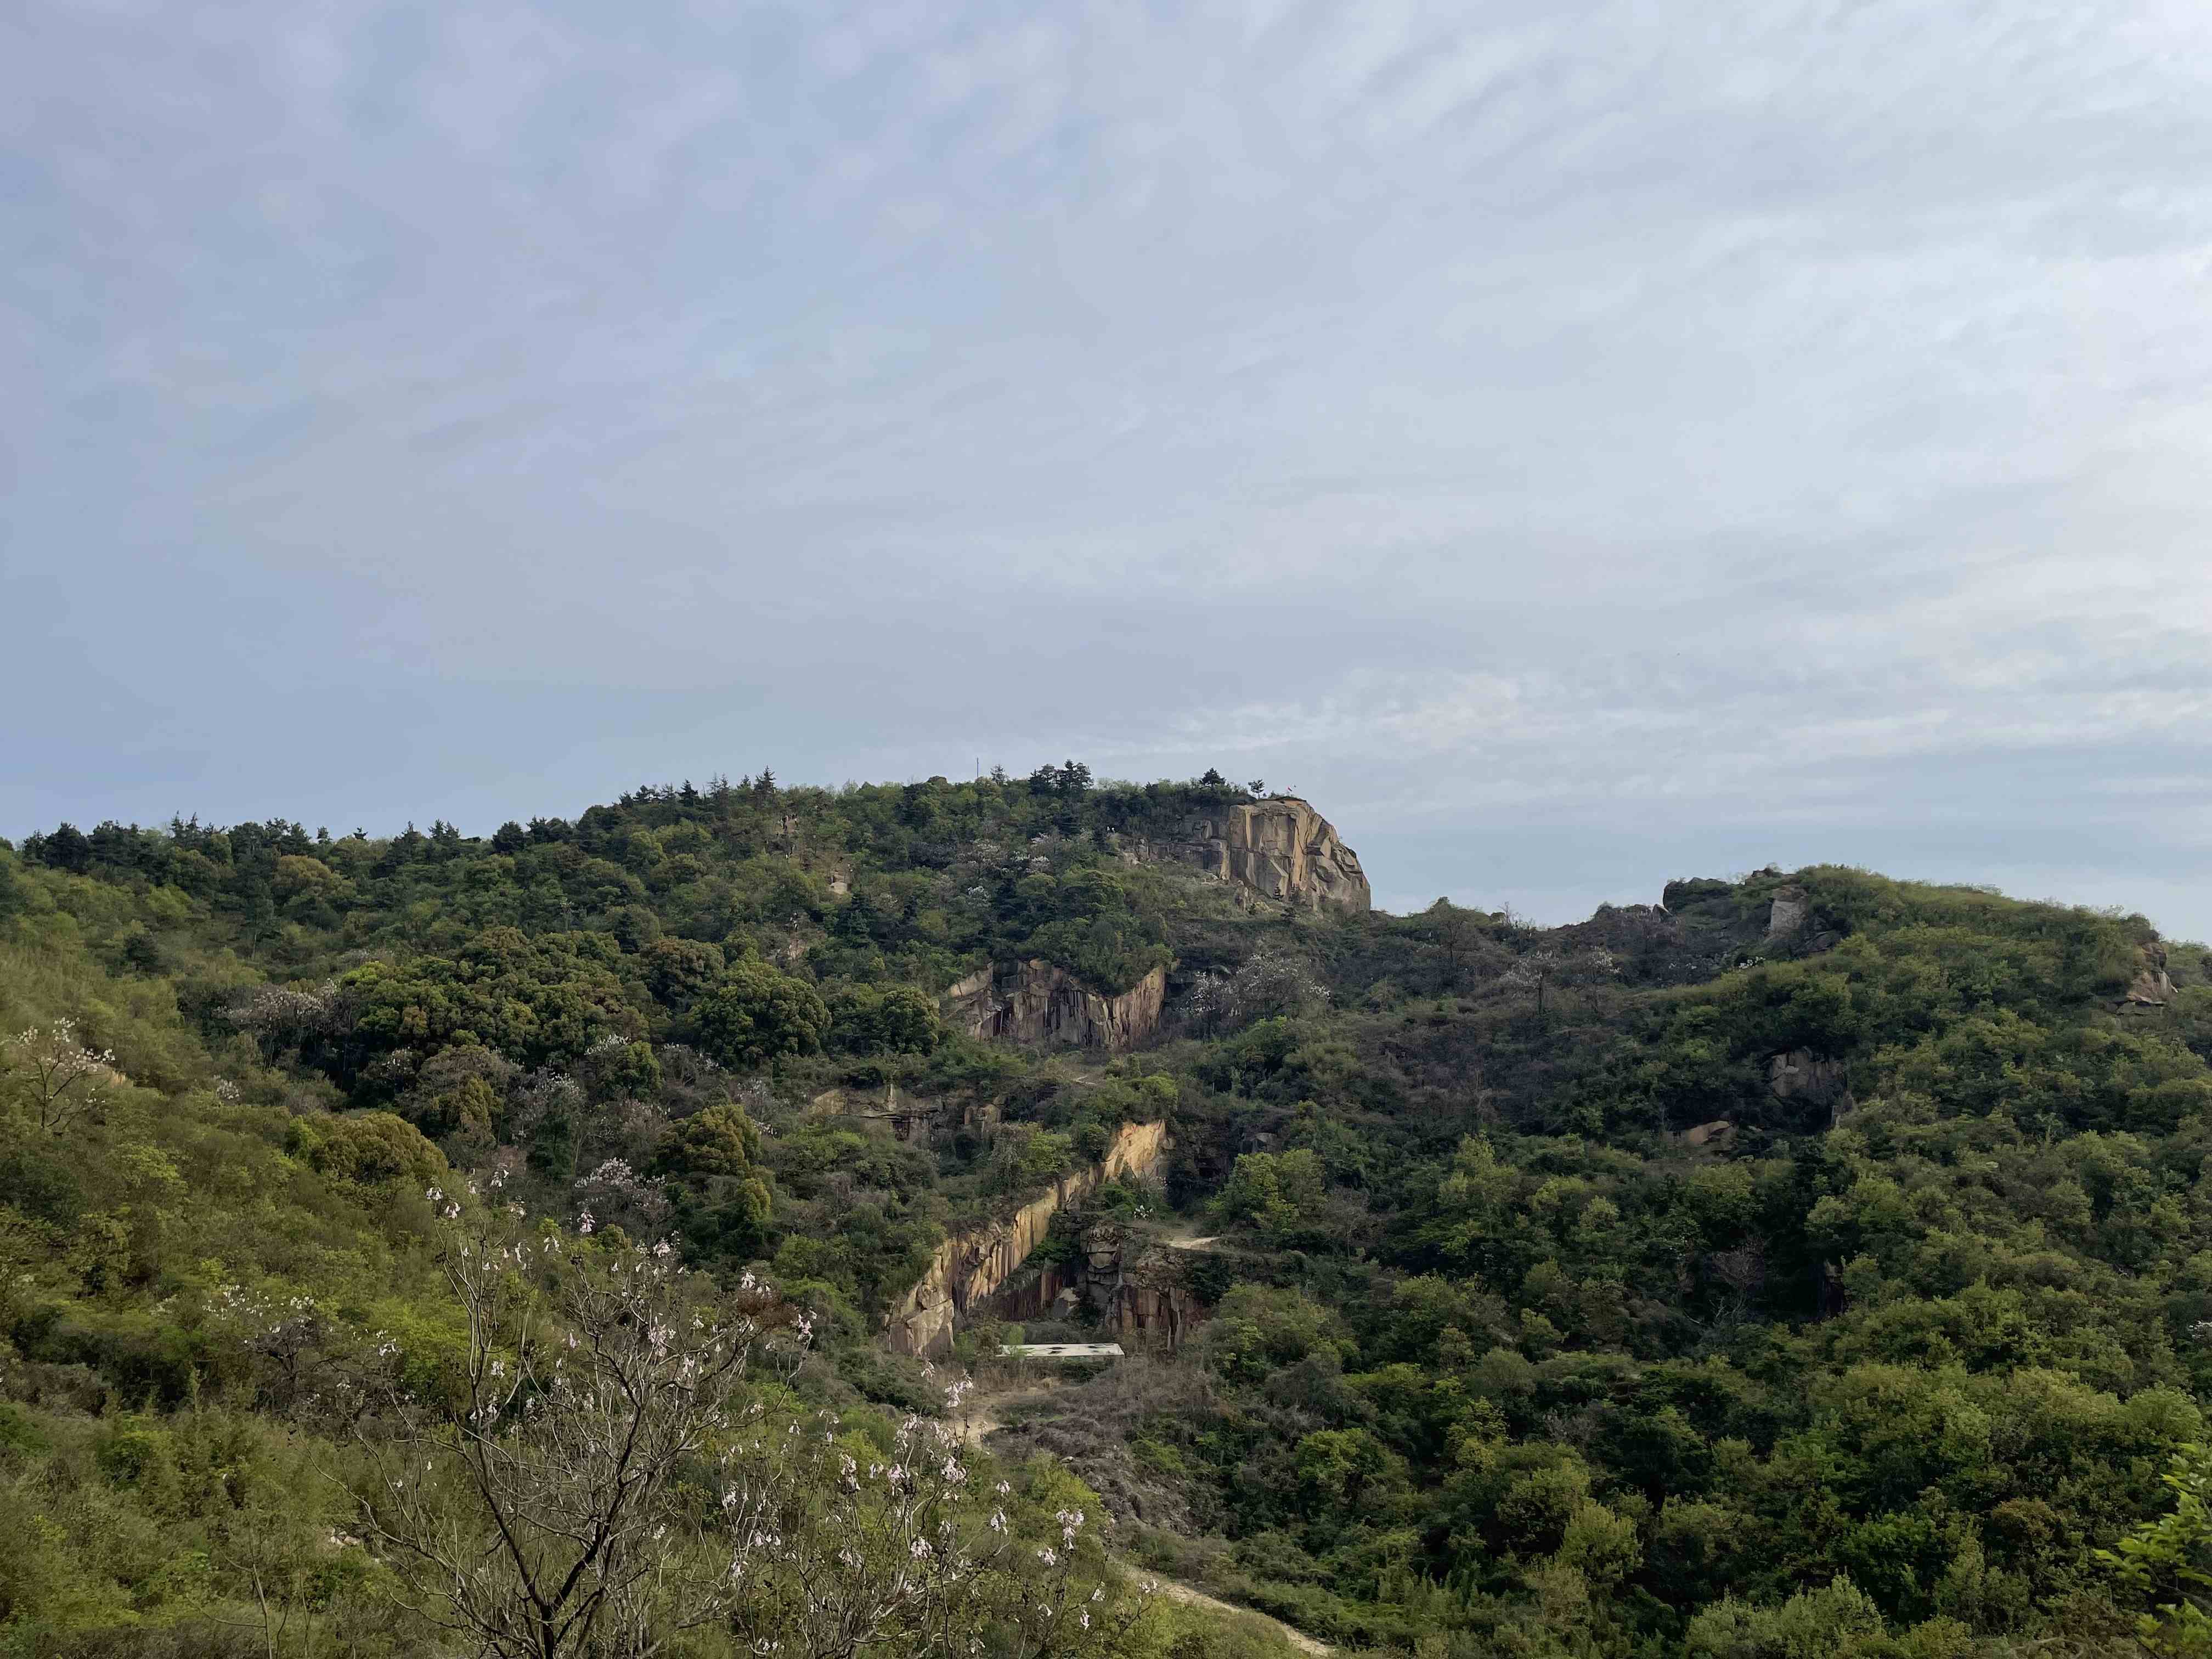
1503	1353
1510	1349
201	1272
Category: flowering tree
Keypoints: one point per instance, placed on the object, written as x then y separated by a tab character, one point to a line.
597	1482
1546	966
293	1343
618	1189
67	1079
538	1512
903	1555
278	1018
1274	981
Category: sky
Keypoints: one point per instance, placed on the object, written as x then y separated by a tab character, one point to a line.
1574	444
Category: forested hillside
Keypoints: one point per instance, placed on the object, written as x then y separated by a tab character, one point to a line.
1812	1263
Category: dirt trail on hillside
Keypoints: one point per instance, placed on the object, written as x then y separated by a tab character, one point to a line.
981	1420
984	1418
1190	1595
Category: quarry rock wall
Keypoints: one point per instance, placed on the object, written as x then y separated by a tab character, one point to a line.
969	1268
1279	849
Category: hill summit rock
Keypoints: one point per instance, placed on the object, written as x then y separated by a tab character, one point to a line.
1280	848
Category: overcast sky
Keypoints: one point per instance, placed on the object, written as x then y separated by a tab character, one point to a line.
1574	444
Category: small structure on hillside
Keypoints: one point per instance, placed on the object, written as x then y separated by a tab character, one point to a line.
1061	1351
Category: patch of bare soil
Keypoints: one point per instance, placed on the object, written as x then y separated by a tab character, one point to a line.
1185	1236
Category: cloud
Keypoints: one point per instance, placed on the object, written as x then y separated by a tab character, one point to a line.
1553	436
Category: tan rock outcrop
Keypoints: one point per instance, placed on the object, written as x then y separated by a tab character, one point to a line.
1152	1298
1140	1293
1034	1002
2152	987
967	1268
1718	1136
1279	850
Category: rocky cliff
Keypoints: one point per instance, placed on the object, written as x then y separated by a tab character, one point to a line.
1279	850
967	1268
1034	1002
1140	1293
2152	987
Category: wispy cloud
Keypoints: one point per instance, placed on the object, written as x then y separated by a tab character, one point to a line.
1573	434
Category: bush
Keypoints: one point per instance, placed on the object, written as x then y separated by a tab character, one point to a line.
370	1149
755	1015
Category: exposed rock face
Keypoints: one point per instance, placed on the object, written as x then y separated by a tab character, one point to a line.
1702	926
1789	913
908	1114
967	1268
1802	1075
1150	1297
1718	1136
1279	850
1034	1002
1139	1294
2151	988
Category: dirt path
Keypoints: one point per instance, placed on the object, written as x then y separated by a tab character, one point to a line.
1190	1595
1186	1238
984	1418
985	1415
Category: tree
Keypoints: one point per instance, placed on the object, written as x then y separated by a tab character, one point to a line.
679	971
618	1070
1280	1193
2171	1557
755	1015
280	1018
601	1484
65	1080
370	1149
720	1142
1532	973
1069	778
66	848
537	1000
1274	981
1836	1621
532	1515
1459	933
1543	967
468	1109
895	1019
